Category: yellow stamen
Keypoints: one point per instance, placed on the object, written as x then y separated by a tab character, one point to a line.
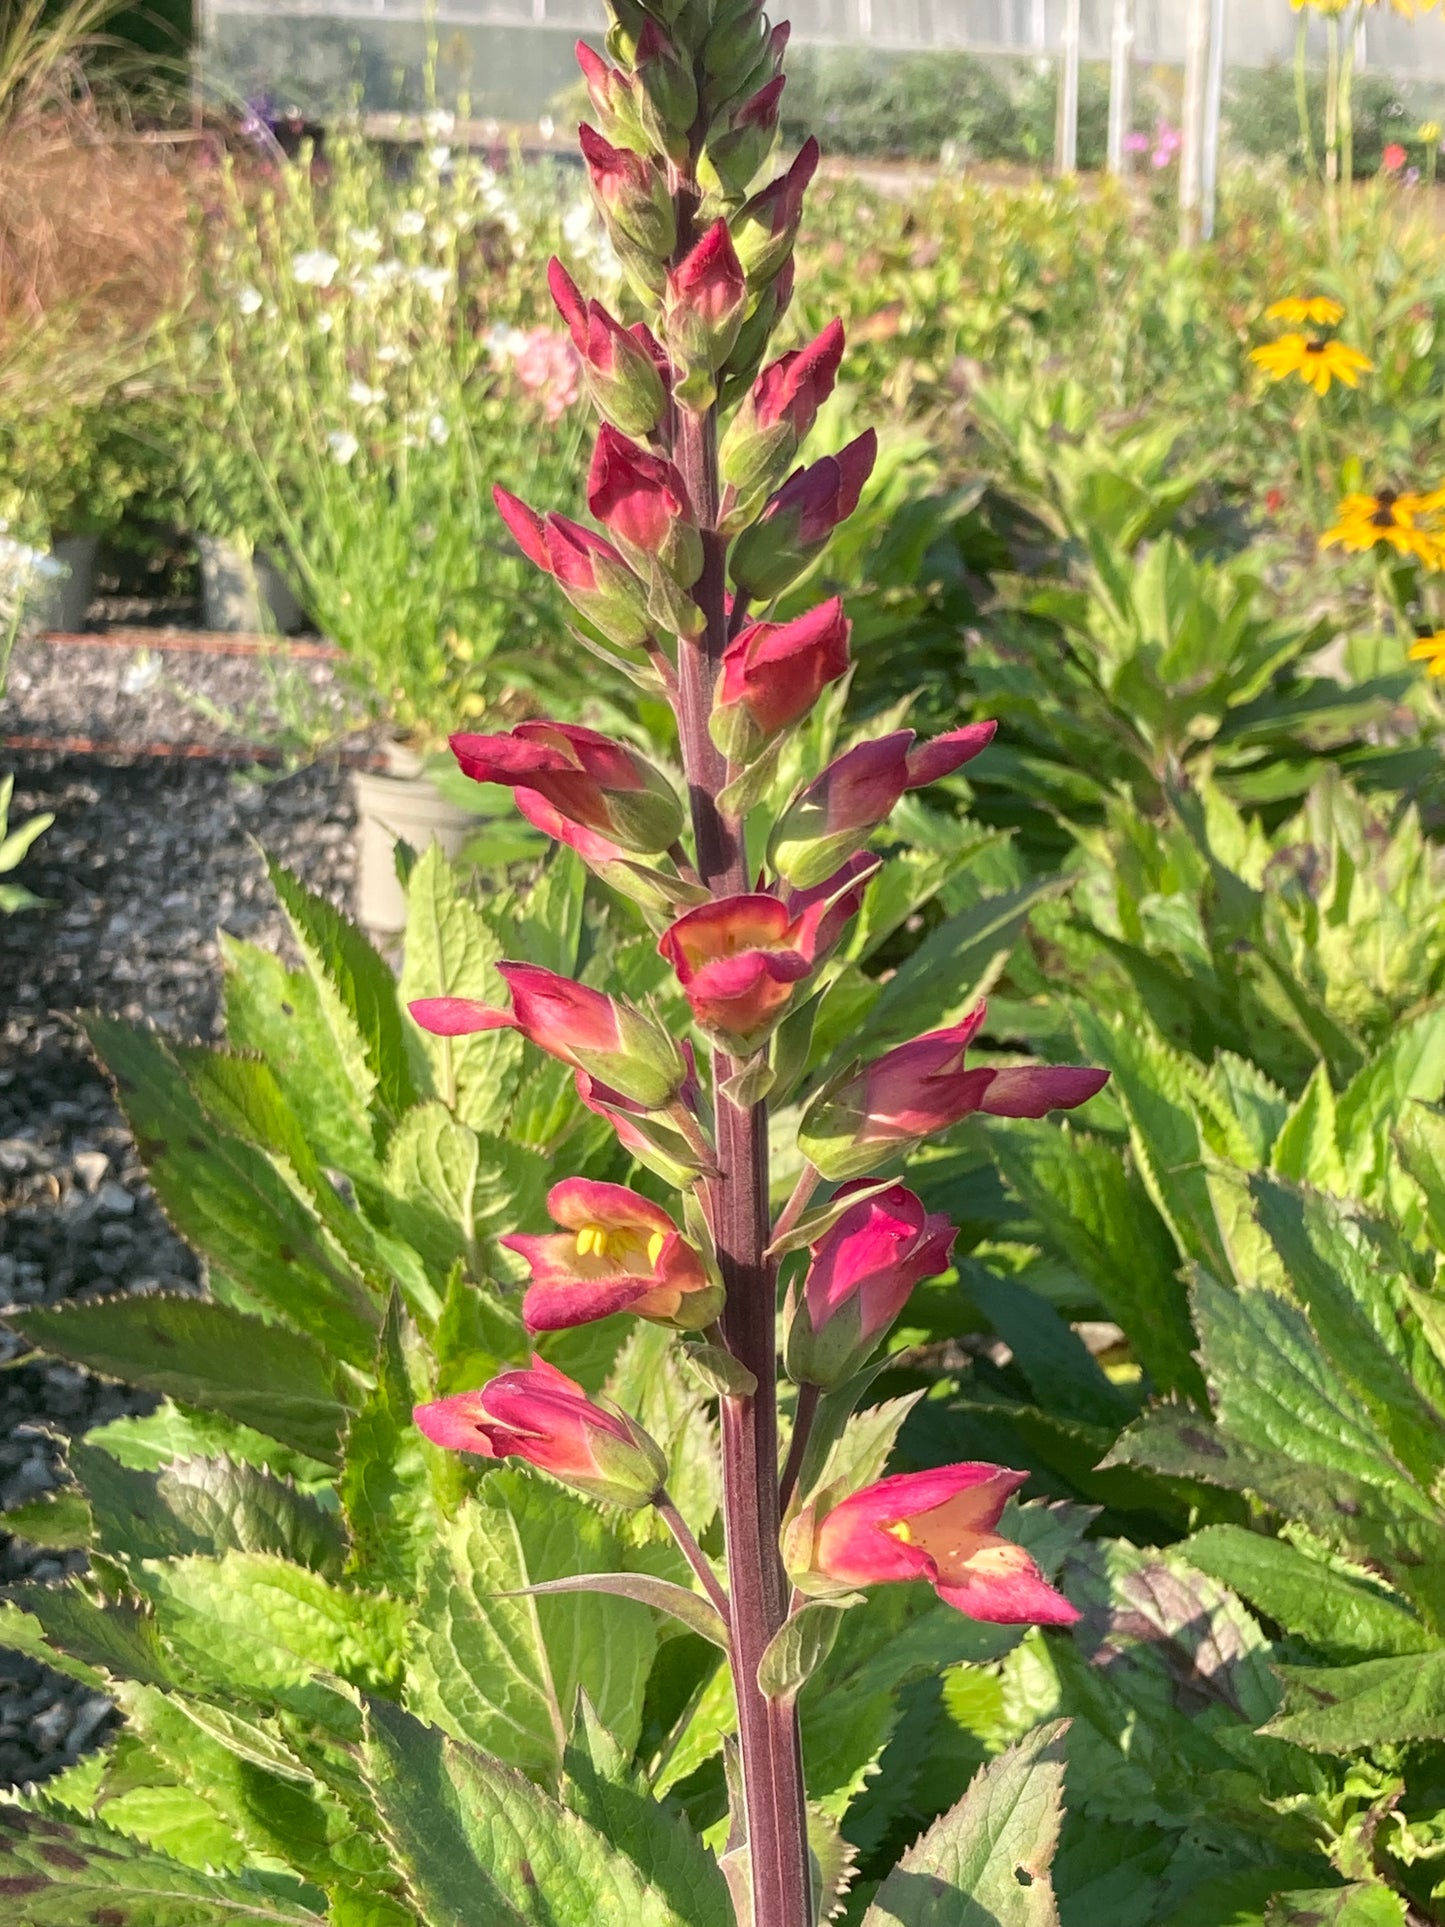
654	1246
592	1241
900	1531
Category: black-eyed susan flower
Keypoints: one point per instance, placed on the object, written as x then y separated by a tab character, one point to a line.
1391	518
1315	361
1319	310
1431	651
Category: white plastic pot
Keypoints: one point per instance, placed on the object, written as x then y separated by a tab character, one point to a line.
400	806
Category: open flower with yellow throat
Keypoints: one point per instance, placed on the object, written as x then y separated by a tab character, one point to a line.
1405	521
1319	310
1318	362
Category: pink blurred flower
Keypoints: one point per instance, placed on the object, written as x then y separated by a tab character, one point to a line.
1393	158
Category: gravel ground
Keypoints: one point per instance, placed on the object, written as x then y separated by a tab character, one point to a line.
113	691
144	862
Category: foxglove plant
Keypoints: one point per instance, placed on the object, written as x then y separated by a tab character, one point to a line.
707	519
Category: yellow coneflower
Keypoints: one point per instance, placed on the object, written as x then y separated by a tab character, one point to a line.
1317	362
1431	651
1391	517
1321	310
1407	9
1428	131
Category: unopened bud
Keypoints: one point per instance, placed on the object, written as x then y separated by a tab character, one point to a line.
621	366
798	521
631	194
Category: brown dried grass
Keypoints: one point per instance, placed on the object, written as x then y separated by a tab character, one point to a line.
95	225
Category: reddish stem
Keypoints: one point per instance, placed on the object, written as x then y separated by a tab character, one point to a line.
771	1750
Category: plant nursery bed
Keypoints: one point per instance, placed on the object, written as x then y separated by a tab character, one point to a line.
173	692
146	860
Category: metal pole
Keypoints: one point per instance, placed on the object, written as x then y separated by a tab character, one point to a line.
1191	158
1066	133
1213	111
1121	85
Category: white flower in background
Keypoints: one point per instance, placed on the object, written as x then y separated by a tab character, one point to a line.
433	281
442	236
365	240
546	126
390	351
366	397
578	223
439	124
504	343
316	269
325	323
439	157
249	300
439	430
343	445
411	221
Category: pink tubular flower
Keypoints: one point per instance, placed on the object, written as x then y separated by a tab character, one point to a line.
642	500
800	518
546	1418
597	783
773	672
589	571
939	1526
741	959
623	366
617	1252
862	1272
918	1088
840	809
618	1045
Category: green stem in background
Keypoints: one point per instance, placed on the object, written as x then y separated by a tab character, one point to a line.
1346	107
1302	96
1332	125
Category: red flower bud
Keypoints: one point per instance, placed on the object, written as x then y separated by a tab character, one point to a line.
704	303
862	1272
937	1526
632	195
642	499
765	434
546	1418
655	1144
623	367
764	228
594	781
612	1041
607	89
796	523
886	1109
666	92
618	1252
773	672
840	809
740	960
733	156
590	572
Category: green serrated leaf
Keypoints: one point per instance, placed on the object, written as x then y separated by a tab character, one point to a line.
58	1876
1380	1702
603	1791
450	950
359	1000
986	1862
1365	1904
385	1487
227	1196
199	1353
481	1846
1098	1215
1329	1609
503	1670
